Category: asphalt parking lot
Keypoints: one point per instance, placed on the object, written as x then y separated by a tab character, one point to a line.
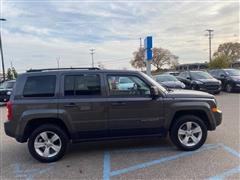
153	158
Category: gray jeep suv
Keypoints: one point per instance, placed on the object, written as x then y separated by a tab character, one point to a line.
50	108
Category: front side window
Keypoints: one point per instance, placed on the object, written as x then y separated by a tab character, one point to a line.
127	86
40	86
78	85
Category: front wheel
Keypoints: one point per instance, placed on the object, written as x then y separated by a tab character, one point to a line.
48	143
229	88
188	132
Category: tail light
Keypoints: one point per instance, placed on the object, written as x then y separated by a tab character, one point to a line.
9	110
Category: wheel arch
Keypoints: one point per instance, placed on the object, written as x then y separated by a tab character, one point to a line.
34	123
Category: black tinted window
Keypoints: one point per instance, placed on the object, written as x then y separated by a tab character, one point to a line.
82	85
40	86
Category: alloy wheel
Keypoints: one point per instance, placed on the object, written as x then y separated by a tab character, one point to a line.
189	134
47	144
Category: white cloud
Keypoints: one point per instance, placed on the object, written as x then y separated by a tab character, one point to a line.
68	29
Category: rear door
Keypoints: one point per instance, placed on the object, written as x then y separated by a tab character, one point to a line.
82	102
131	109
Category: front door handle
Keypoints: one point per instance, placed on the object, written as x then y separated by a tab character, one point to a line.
118	103
70	105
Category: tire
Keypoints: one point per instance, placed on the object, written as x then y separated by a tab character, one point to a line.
229	88
177	136
195	87
55	150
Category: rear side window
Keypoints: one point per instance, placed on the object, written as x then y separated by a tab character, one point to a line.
40	86
79	85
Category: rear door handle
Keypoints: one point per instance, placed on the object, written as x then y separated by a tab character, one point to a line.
70	105
118	103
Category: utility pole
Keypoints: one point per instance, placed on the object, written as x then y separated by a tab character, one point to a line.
210	35
140	42
3	68
58	62
92	51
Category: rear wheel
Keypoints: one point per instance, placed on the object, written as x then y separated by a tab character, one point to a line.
48	143
188	132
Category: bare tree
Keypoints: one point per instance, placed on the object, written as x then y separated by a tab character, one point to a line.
161	58
230	49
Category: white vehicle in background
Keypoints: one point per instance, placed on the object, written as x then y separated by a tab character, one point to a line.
125	83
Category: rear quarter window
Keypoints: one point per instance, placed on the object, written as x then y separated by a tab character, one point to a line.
40	86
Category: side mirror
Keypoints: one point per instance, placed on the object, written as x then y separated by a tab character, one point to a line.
223	75
188	78
154	91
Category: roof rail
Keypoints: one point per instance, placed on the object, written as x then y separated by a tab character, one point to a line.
71	68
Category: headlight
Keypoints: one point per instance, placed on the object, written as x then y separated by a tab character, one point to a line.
199	82
9	93
183	85
236	79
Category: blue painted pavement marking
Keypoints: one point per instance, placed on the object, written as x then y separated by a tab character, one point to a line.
160	161
226	173
28	174
106	166
107	173
230	150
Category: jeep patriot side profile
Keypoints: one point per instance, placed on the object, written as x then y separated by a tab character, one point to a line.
50	108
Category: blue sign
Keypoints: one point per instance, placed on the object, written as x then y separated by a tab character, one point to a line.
148	54
148	48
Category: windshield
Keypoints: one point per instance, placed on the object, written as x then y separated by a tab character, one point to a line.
164	78
3	85
200	75
233	72
10	85
154	82
7	85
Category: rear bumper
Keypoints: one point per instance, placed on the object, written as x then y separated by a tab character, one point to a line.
10	130
4	98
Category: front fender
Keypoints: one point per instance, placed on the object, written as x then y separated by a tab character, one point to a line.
190	106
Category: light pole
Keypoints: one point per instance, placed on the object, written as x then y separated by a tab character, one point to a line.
210	31
92	51
3	69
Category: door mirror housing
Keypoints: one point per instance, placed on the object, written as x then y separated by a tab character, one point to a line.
222	75
154	91
188	78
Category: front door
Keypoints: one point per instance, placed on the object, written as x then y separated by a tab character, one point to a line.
131	109
82	102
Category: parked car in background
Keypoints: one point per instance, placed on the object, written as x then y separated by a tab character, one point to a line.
230	78
6	90
169	81
200	80
174	73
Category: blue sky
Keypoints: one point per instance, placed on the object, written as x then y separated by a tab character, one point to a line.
39	32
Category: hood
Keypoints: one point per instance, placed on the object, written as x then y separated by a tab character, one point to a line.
172	84
182	93
236	78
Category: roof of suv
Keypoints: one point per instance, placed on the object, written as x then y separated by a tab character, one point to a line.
77	70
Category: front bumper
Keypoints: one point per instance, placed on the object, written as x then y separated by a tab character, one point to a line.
210	88
236	87
218	117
